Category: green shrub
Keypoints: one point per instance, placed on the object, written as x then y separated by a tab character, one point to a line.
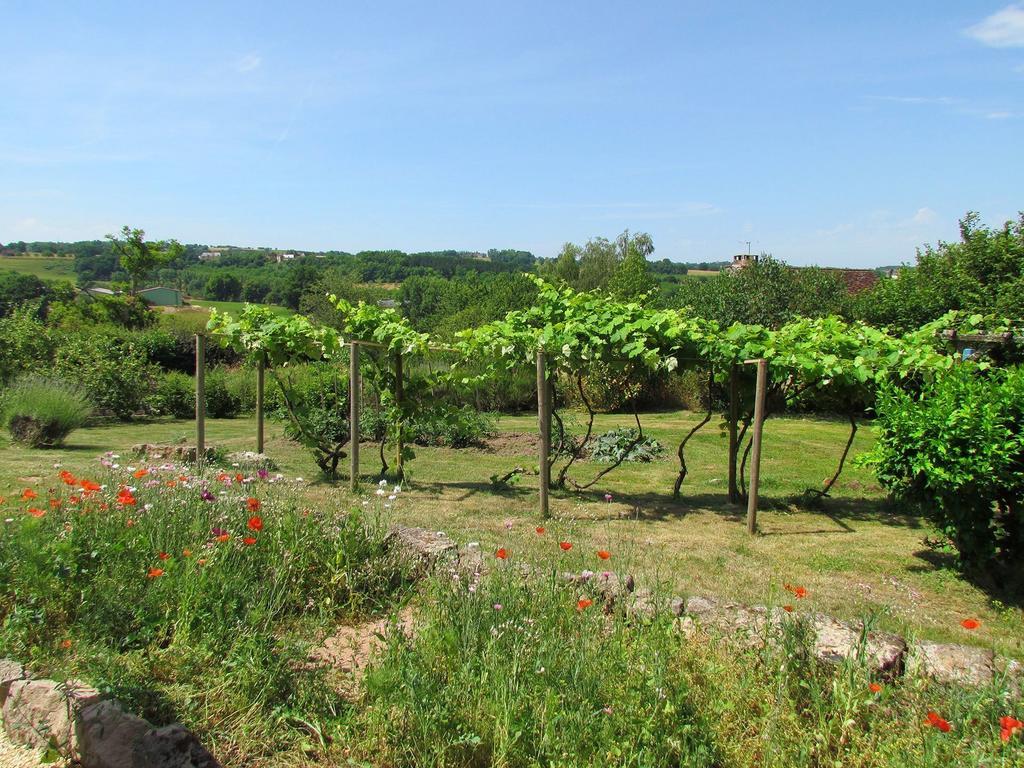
26	343
175	396
221	403
241	384
614	445
450	426
41	412
954	452
112	369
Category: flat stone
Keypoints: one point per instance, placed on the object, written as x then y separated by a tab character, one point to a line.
172	746
251	461
641	604
952	663
677	606
751	626
39	713
108	736
10	671
836	641
181	453
423	549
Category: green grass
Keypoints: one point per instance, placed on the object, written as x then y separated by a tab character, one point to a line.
854	555
46	267
235	307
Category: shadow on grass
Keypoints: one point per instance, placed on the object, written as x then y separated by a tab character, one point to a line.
998	590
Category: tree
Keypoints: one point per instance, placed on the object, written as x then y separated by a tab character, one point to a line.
632	277
223	287
137	257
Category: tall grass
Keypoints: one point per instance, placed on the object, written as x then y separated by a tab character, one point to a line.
41	412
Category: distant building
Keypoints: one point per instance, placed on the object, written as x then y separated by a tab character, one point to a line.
161	296
282	257
209	256
741	260
389	303
857	280
98	291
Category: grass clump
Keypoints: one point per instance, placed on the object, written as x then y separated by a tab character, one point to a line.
41	412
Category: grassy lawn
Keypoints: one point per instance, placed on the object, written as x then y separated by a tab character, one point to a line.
49	268
235	307
854	555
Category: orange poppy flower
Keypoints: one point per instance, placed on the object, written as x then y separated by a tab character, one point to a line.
164	556
65	644
155	573
28	494
223	538
36	512
129	523
54	503
239	478
603	554
138	474
583	603
501	554
201	561
875	687
74	499
255	523
565	545
223	476
970	623
1008	726
540	530
253	504
186	553
935	721
172	483
90	485
787	608
249	541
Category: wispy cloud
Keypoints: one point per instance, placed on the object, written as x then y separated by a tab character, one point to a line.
1003	29
248	63
944	100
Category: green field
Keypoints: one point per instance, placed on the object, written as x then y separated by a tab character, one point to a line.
46	267
235	307
854	555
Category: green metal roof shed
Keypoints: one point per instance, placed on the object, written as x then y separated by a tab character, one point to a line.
162	296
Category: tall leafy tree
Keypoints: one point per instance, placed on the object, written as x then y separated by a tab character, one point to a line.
138	257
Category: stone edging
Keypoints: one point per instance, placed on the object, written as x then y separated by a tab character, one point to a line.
76	721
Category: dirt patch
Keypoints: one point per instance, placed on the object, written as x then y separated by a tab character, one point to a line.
352	647
512	444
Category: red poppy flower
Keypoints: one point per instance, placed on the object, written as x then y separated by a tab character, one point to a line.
172	483
249	541
970	623
223	476
238	477
125	498
540	530
603	554
164	556
875	687
138	474
201	561
36	512
223	538
937	722
129	523
74	499
565	545
28	494
65	644
501	554
255	523
68	478
155	573
1008	726
54	503
799	592
787	608
91	486
253	504
583	603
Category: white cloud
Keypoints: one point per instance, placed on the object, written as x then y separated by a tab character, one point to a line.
1000	115
919	99
248	63
924	216
1003	29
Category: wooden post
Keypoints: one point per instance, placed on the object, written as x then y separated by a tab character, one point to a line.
399	461
200	397
353	414
544	424
755	459
259	404
734	415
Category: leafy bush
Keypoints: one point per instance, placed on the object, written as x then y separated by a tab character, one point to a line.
41	412
175	396
113	370
614	445
241	384
955	453
450	426
26	343
221	403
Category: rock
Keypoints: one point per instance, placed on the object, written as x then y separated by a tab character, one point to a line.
10	671
749	625
251	461
677	606
835	641
423	549
107	735
172	746
180	453
952	663
471	561
38	713
641	604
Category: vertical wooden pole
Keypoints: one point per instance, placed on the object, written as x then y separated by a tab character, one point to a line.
354	395
755	459
259	404
544	424
734	415
399	461
200	397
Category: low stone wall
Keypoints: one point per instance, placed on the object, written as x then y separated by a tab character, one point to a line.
96	732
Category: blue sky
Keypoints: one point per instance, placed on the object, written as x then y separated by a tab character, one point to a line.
823	134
